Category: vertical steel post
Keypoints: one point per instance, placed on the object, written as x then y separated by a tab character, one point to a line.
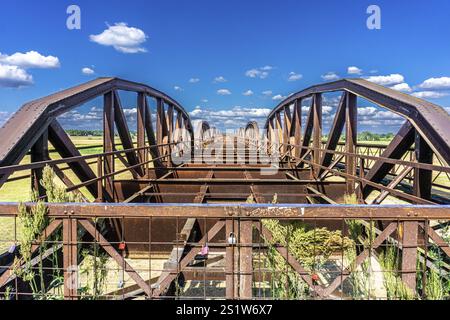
351	140
298	126
409	254
287	130
70	257
141	109
229	259
39	152
422	178
108	141
317	131
246	259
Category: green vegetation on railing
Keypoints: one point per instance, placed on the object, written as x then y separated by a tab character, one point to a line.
33	222
312	246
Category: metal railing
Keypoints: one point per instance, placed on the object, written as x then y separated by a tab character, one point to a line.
230	251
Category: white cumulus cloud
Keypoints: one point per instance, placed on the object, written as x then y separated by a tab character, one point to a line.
121	37
430	94
14	77
403	87
389	80
330	76
294	76
278	97
354	70
261	73
223	92
87	71
248	93
436	83
194	80
220	79
30	60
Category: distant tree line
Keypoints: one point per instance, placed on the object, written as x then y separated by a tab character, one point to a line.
89	133
85	133
368	136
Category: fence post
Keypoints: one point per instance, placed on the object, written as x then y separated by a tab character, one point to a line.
245	259
230	238
409	254
70	258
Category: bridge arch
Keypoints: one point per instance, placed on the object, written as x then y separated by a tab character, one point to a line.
426	129
35	125
252	130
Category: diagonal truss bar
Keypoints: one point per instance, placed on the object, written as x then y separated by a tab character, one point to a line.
290	259
66	149
124	133
296	129
90	228
154	151
360	259
66	180
394	183
161	286
395	150
48	231
335	133
308	132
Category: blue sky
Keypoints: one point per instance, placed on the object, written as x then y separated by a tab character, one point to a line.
208	53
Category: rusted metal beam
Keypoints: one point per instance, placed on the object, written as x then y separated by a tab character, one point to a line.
287	128
108	142
65	147
8	275
160	288
317	131
161	124
430	119
124	132
409	254
70	258
360	259
90	228
297	125
308	133
65	179
39	152
154	150
335	133
395	150
351	138
141	109
93	210
394	183
422	182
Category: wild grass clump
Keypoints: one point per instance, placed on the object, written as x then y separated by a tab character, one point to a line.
311	246
33	221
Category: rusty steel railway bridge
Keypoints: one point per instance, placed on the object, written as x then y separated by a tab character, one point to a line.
179	188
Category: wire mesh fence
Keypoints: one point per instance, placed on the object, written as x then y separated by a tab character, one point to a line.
162	254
